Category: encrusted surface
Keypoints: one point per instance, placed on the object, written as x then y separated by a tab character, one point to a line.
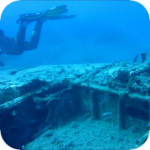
126	77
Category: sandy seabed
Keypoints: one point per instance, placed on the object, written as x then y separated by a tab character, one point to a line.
85	133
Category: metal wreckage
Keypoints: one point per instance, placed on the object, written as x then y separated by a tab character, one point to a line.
47	95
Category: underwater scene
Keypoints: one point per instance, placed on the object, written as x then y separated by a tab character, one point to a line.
75	75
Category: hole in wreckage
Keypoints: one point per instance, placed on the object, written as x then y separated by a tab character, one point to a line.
137	113
48	109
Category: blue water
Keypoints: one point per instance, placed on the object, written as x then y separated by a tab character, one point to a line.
103	31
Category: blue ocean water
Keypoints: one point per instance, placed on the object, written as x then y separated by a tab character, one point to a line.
102	31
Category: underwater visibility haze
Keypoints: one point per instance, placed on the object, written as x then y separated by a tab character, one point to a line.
102	31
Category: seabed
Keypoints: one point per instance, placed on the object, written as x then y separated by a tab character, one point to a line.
78	106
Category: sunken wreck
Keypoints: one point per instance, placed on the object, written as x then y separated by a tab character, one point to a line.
35	102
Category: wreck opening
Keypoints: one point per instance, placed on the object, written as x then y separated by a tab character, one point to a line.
20	123
137	113
51	107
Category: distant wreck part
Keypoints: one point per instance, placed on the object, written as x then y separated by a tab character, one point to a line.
135	59
144	56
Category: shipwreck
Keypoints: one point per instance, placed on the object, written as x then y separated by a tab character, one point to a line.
38	99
